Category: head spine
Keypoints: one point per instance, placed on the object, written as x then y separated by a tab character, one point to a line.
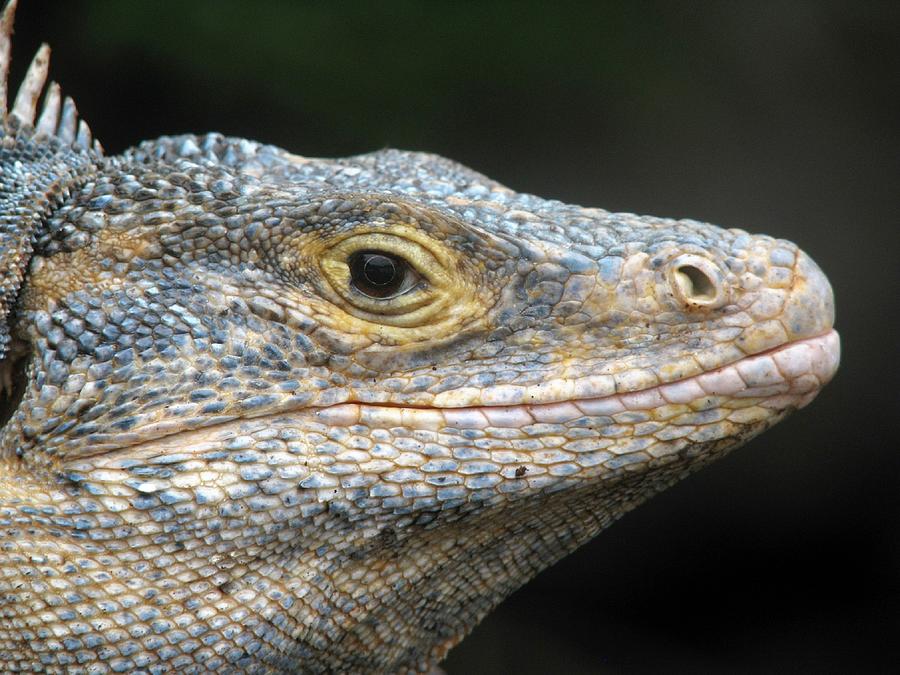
42	157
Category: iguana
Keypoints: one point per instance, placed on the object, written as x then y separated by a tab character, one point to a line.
270	413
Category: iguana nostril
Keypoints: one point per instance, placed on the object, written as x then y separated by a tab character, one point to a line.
696	282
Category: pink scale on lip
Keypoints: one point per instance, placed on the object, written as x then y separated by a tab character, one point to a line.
759	371
825	356
645	399
422	418
723	382
465	418
380	417
764	392
805	383
514	417
555	413
684	391
793	362
608	405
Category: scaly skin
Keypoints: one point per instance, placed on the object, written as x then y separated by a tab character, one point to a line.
226	455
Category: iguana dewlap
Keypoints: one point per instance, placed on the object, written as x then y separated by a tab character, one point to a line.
270	413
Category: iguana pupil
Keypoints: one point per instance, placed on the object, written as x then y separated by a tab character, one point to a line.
377	274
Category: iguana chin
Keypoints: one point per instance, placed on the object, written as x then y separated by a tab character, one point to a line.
280	414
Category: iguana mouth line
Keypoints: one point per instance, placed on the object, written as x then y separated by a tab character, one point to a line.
798	369
787	376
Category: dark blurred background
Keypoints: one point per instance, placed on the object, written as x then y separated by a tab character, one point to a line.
778	117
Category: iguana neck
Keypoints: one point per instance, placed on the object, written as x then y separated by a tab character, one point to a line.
334	597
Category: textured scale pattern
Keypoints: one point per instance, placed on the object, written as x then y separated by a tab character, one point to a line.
219	454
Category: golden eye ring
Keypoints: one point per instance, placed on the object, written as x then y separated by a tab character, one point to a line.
395	278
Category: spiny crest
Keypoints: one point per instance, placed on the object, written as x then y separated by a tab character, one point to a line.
58	117
42	158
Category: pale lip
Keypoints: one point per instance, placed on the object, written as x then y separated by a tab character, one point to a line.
789	376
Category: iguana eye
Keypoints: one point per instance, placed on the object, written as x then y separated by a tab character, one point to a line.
391	276
377	275
381	275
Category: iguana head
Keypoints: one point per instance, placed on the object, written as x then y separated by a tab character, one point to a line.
333	411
